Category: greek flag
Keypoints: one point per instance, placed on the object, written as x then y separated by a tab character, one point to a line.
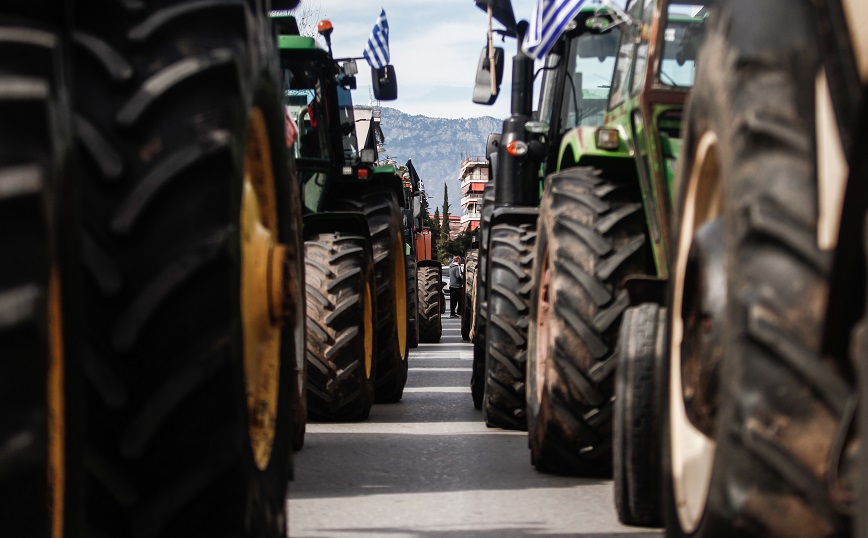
377	50
550	17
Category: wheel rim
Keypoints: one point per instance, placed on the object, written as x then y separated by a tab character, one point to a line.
368	320
401	296
543	313
261	290
691	452
56	406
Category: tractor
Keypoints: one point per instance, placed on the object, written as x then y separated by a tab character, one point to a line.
606	136
761	338
423	255
357	345
151	303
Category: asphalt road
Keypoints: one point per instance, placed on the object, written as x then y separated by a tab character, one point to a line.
428	466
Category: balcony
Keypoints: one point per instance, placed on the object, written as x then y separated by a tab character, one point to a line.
471	199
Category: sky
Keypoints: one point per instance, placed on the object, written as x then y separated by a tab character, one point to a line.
434	46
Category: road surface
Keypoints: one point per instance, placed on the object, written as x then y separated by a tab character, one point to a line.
427	466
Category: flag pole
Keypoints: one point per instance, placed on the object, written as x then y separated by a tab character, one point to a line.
492	67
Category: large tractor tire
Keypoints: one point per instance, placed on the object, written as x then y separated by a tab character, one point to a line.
340	332
40	456
188	226
380	207
480	320
412	304
592	235
755	453
636	436
511	269
430	325
470	262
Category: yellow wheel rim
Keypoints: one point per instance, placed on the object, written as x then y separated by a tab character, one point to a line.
401	296
261	286
368	320
56	406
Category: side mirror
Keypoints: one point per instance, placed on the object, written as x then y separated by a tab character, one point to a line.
385	83
487	84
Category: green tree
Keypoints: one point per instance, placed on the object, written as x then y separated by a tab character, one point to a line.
435	227
455	247
427	221
445	228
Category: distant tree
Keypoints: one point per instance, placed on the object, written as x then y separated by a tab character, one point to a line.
445	228
435	227
426	209
455	247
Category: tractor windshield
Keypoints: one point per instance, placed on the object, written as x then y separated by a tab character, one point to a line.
348	125
591	64
685	27
306	105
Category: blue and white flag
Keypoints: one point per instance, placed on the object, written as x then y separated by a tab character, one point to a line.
550	18
377	50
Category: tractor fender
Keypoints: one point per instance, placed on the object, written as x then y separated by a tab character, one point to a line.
346	222
429	263
580	143
515	215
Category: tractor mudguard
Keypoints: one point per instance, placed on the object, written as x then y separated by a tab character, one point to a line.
515	215
337	221
580	143
429	263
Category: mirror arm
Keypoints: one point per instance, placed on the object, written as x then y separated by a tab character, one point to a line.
491	50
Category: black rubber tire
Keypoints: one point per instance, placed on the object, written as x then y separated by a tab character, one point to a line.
504	401
477	377
430	325
636	438
164	96
40	432
780	402
470	261
412	304
592	235
340	307
380	207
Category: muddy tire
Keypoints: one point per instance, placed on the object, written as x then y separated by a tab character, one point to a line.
503	404
180	126
750	139
380	207
412	304
340	332
39	315
430	326
591	236
636	436
470	262
480	320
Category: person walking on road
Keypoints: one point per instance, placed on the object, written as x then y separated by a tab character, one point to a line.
456	282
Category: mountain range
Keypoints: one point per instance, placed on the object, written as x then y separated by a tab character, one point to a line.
437	147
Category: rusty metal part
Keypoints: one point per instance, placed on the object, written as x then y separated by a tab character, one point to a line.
703	312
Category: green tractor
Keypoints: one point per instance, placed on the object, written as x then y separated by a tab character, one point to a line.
357	344
151	312
427	279
603	245
606	138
